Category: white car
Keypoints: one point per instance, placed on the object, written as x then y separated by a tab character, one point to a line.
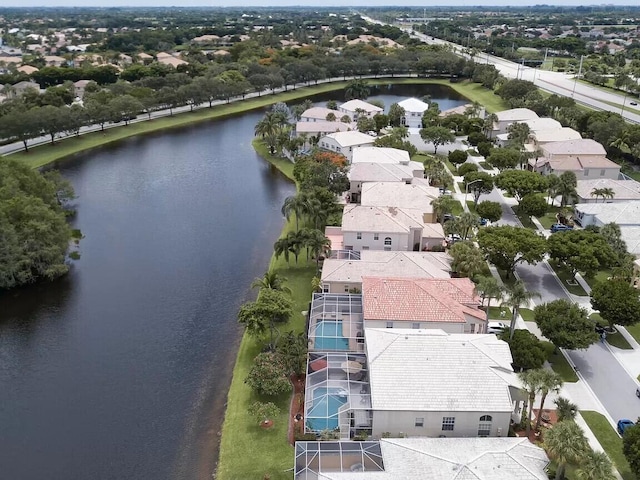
496	327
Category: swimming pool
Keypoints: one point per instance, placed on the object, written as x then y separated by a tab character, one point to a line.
323	415
329	336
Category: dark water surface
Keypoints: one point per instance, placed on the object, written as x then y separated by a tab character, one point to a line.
120	370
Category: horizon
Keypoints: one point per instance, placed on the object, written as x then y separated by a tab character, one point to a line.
292	3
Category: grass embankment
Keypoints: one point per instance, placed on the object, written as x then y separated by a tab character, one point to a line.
525	220
527	315
610	441
246	450
634	330
46	153
559	363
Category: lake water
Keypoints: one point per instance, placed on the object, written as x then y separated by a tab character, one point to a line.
120	369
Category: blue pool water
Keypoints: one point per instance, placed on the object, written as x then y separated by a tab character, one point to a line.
329	336
324	413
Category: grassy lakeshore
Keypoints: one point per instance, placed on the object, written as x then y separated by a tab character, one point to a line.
42	155
246	450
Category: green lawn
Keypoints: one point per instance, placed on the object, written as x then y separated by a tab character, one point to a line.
601	276
565	276
246	450
527	315
457	208
472	152
524	219
615	339
503	276
452	168
550	217
495	313
610	441
45	154
559	363
634	330
486	165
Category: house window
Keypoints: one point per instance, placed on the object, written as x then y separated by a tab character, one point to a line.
325	287
484	427
346	289
376	236
586	172
415	326
387	240
365	247
419	422
387	249
448	423
389	324
359	235
602	172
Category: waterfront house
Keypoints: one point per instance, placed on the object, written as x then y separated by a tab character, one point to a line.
415	196
413	111
385	155
507	117
318	114
448	304
365	172
355	108
344	275
345	142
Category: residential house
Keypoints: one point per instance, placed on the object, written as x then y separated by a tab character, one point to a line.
385	155
345	142
585	157
28	69
452	385
625	214
622	190
385	228
144	57
447	304
365	172
321	128
414	196
354	108
459	110
421	458
507	117
413	111
79	87
168	59
55	61
538	138
345	275
20	88
319	114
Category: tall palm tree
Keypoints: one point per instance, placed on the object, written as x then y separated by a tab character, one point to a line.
318	244
518	295
567	188
531	381
297	205
269	129
465	223
282	247
566	444
595	466
489	121
443	205
297	241
489	288
603	192
271	280
553	182
597	193
565	410
357	89
549	381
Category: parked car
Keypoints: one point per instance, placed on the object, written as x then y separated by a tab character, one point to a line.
496	327
635	104
448	216
559	227
444	191
453	238
623	424
483	221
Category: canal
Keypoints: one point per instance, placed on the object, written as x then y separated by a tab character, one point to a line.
120	369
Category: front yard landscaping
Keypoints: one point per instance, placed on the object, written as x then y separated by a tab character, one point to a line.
550	217
610	441
567	280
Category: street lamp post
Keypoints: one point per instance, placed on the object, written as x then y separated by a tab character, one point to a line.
575	80
466	192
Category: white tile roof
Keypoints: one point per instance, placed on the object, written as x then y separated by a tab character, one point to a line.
358	218
584	146
398	194
623	189
516	115
381	155
631	236
322	126
351	139
622	213
353	105
543	123
319	113
439	372
440	300
379	172
414	105
378	263
505	458
556	135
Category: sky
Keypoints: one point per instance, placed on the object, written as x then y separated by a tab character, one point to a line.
308	3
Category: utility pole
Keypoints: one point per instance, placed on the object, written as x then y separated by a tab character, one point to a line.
575	81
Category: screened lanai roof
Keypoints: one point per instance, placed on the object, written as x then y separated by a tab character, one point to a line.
336	323
337	394
314	457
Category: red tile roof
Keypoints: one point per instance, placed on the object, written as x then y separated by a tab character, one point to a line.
425	300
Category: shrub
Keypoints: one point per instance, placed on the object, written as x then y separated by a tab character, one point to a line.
268	376
484	148
467	168
263	411
475	138
458	157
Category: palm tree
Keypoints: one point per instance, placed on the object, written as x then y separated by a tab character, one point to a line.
318	243
282	247
293	348
296	204
465	223
553	182
566	444
271	280
518	295
567	188
531	381
597	193
565	410
549	381
357	89
297	242
269	129
488	288
607	193
489	122
443	205
595	466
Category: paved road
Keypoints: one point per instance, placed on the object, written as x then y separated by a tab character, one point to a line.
604	374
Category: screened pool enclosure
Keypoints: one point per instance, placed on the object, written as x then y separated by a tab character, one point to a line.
335	323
